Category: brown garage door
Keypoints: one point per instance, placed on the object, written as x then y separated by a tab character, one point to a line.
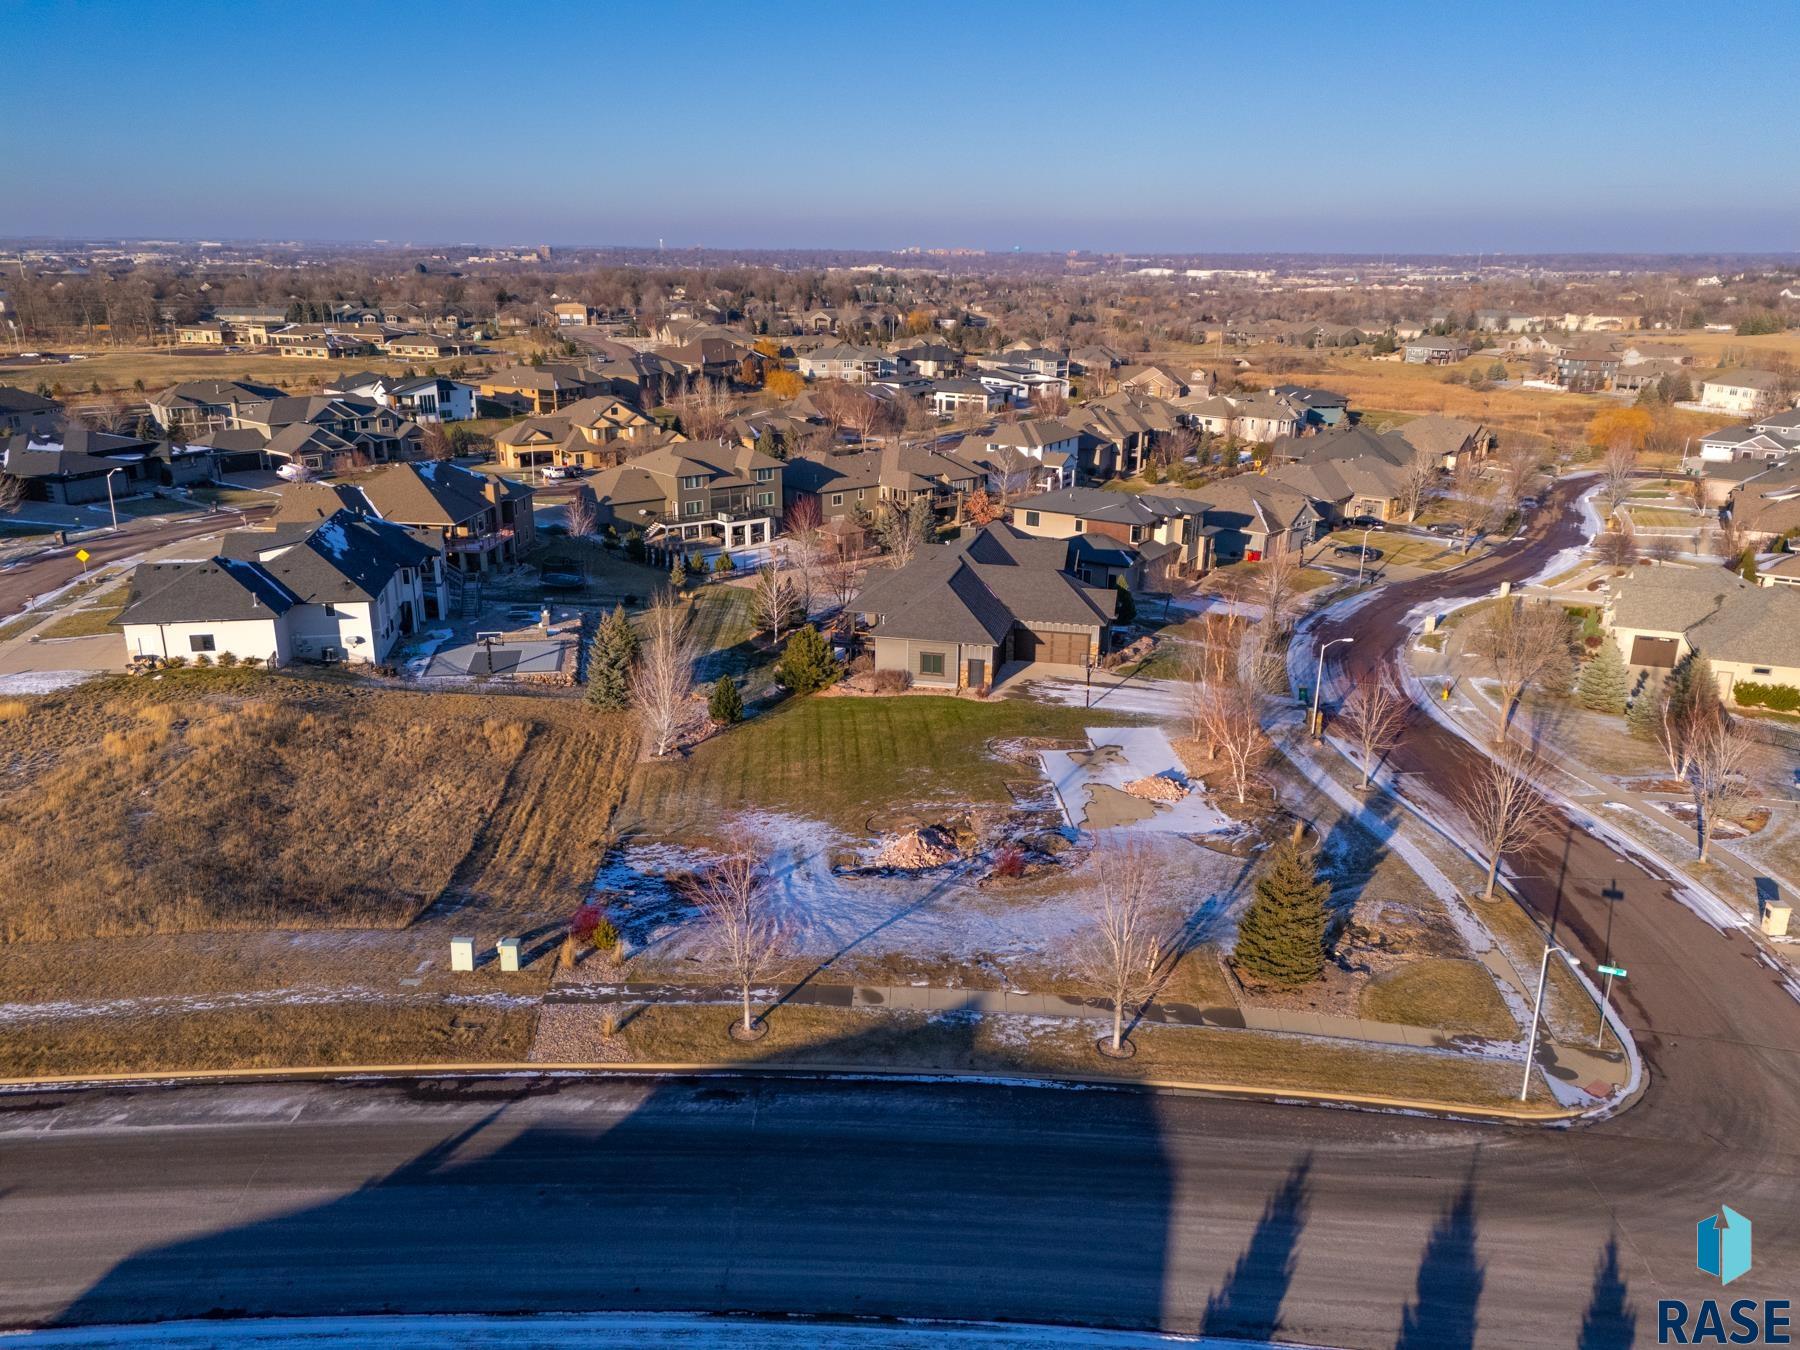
1649	651
1063	649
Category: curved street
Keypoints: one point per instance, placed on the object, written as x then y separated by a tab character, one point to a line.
965	1200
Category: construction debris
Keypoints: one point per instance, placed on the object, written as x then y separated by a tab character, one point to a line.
1156	788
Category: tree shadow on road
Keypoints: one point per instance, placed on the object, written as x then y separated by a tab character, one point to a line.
1610	1322
1444	1312
1248	1304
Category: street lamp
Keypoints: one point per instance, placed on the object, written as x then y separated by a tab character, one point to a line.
1537	1009
1363	556
1318	726
113	505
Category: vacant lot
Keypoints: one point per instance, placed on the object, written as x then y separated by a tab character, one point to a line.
213	800
840	759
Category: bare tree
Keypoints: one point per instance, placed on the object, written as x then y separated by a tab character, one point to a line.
704	413
1521	646
1277	583
434	441
12	493
1419	484
1470	502
774	601
1717	751
1518	465
1233	720
842	577
1661	548
1618	548
1120	953
1505	807
805	547
732	896
900	527
582	513
1616	469
1373	716
1011	471
662	685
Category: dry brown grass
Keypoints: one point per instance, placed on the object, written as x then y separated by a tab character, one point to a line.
228	800
270	1037
13	708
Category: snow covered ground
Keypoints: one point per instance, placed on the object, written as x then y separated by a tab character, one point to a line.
43	681
1141	753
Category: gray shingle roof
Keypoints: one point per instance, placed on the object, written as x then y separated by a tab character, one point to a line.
212	591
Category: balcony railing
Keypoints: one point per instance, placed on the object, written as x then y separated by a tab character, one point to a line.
480	543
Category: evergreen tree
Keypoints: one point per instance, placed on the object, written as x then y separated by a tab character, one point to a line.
1281	940
611	655
723	564
1644	717
635	548
678	573
1126	609
1747	568
1604	682
725	705
806	662
1694	689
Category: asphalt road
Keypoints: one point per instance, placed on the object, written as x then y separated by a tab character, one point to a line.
58	566
959	1201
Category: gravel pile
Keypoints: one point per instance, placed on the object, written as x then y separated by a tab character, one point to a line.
916	850
1156	788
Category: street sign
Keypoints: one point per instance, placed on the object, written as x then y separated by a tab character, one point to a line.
82	555
1612	970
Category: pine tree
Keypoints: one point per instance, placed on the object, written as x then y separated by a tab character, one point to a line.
1281	940
1695	689
678	573
1126	609
806	662
1747	568
723	564
1644	717
1605	682
725	705
610	657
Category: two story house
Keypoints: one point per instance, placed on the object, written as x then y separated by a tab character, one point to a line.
701	492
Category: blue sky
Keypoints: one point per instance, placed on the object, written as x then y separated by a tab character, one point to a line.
1119	126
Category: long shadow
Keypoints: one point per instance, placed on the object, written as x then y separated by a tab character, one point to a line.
1610	1322
1248	1304
1444	1312
509	1195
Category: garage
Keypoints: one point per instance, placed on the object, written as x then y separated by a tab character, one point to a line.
1063	649
1654	651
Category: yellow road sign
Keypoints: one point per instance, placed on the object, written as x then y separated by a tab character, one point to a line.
82	555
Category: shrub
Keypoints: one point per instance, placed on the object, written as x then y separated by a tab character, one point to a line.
592	927
228	659
605	936
892	681
203	660
807	664
1777	697
1009	861
725	705
12	709
723	564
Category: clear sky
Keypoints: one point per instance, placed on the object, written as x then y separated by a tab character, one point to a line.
1448	126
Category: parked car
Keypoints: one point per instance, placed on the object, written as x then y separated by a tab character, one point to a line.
1367	553
1448	529
1365	523
556	471
1529	503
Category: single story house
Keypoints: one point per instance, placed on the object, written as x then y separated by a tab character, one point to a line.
1658	614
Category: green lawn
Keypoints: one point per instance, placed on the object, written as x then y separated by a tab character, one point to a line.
1658	515
724	624
842	759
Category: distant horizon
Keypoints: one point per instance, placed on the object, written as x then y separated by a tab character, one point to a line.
1152	129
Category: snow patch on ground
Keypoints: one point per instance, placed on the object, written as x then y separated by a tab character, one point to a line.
44	681
1143	752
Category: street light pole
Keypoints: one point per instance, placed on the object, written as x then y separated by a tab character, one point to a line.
111	504
1537	1009
1363	556
1318	727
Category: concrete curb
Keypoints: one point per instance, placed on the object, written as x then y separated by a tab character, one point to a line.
507	1069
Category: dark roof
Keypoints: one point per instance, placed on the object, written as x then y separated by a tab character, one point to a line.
345	557
1092	504
214	590
19	401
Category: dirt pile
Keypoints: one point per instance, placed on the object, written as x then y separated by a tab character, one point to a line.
1156	788
915	850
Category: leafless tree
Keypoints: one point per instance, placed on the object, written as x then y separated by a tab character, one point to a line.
434	441
1195	696
582	513
1521	646
1728	541
1373	716
1717	750
1618	548
805	548
774	602
1121	948
1616	469
662	684
1234	731
12	493
1470	502
732	896
704	413
1419	484
1505	807
842	578
1518	464
1011	471
1277	583
1661	548
901	527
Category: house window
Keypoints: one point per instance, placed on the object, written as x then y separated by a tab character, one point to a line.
837	499
203	642
1031	517
691	508
695	481
931	663
764	475
765	499
1080	526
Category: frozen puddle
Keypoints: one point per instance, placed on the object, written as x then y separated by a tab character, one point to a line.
1090	784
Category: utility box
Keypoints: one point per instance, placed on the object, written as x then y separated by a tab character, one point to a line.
462	953
509	954
1431	621
1775	919
1505	589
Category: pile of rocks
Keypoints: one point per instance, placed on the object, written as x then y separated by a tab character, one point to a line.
916	850
1156	788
